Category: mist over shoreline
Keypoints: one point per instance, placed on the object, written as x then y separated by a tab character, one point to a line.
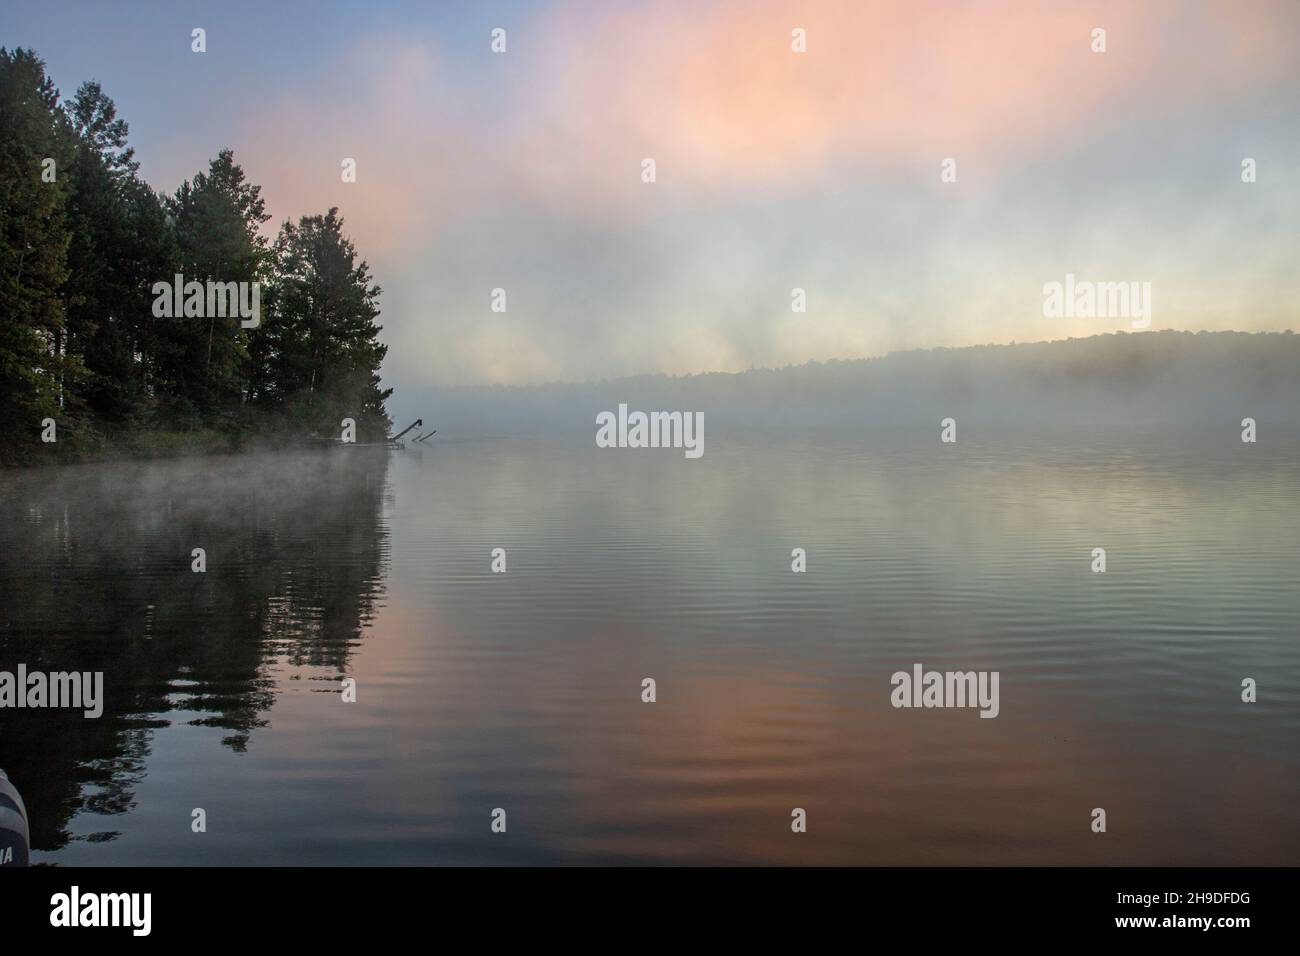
1167	377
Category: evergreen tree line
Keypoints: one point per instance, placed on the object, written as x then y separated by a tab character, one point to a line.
83	242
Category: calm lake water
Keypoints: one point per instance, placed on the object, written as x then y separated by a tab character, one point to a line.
522	690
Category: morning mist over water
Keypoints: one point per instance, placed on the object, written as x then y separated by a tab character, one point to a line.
855	440
518	682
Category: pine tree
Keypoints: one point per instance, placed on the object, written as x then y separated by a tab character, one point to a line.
319	352
121	244
218	216
34	240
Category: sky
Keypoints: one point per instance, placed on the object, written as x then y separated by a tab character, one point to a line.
774	169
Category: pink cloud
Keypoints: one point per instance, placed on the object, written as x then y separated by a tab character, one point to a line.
716	95
384	105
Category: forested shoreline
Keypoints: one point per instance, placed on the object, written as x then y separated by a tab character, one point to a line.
91	365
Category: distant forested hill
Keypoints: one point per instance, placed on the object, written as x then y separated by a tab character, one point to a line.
1144	377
